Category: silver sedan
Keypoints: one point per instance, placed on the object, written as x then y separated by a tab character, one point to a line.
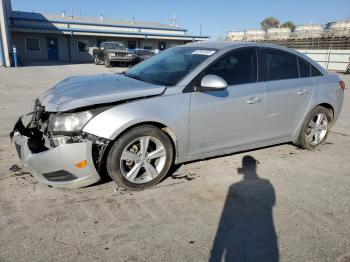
186	103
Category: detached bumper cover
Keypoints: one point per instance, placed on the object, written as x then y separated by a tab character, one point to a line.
56	166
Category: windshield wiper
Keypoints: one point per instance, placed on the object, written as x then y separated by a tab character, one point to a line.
152	81
132	76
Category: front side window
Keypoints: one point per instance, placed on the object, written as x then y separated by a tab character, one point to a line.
280	65
32	44
83	46
238	67
170	66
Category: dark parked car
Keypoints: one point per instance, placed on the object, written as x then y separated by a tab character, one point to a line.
142	54
112	53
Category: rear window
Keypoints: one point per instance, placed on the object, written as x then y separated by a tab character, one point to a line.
281	65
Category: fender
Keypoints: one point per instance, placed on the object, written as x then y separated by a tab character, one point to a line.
171	111
321	96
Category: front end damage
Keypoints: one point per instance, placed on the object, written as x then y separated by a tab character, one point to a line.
71	159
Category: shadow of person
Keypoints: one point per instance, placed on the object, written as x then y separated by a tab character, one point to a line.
246	231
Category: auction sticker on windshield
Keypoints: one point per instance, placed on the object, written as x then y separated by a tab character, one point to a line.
203	52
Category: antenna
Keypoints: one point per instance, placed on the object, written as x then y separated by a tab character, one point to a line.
173	20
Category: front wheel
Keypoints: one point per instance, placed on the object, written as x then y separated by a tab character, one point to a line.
107	63
315	128
96	61
140	158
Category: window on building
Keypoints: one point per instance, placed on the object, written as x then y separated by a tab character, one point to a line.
131	45
83	46
32	44
239	67
281	65
304	68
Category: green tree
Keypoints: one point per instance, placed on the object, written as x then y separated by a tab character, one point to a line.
289	24
269	22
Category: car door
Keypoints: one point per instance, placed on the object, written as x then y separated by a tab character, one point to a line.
220	120
287	94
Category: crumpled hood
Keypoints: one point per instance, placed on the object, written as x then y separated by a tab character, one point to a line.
82	91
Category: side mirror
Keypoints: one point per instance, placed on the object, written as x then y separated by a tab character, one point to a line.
212	82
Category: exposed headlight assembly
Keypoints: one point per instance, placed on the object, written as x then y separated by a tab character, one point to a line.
71	122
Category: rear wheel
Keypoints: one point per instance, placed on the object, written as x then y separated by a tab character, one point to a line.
140	158
315	128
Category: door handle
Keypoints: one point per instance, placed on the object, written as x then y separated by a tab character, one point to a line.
303	92
254	100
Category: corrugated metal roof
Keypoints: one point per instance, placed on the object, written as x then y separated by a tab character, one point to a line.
91	20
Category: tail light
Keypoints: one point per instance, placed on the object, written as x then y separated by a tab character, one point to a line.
342	85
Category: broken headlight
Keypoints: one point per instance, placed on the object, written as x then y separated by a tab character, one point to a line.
72	122
69	122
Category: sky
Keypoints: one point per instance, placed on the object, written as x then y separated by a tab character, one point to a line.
215	17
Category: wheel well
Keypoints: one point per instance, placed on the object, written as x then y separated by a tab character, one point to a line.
329	107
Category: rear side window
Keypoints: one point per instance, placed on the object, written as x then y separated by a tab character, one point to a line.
238	67
304	68
315	71
280	65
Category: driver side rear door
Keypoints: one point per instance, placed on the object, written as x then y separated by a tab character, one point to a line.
224	119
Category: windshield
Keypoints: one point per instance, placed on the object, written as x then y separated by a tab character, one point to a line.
112	45
170	66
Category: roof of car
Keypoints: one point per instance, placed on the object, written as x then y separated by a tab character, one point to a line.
228	44
220	45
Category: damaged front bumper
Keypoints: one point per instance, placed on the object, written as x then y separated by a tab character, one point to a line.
58	165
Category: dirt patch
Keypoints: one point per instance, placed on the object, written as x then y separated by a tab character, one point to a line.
18	171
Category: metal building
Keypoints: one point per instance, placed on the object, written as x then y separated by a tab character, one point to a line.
40	37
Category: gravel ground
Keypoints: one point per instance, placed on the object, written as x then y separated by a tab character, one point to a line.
297	207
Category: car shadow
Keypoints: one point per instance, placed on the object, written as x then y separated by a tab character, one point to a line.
246	229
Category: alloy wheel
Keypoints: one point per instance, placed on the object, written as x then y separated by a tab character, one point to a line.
143	159
317	129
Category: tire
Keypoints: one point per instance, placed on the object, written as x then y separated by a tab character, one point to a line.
120	167
306	138
107	63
